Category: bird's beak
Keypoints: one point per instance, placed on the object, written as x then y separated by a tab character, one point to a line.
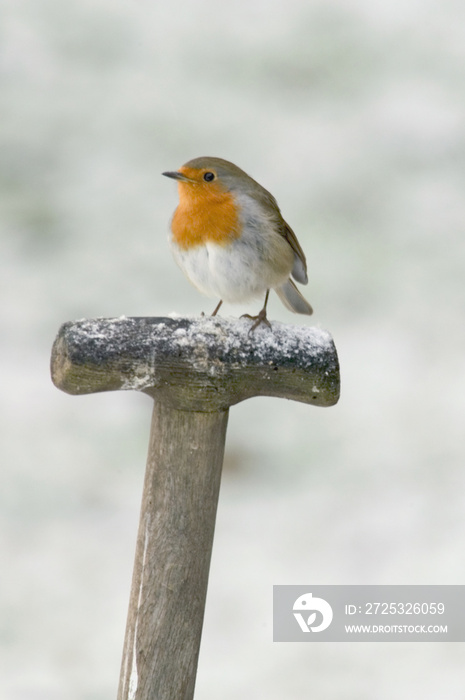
176	175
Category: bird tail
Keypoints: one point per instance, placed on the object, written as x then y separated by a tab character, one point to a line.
293	299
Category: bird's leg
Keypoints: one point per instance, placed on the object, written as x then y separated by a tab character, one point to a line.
217	308
261	316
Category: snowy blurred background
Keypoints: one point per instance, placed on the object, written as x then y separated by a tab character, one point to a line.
352	113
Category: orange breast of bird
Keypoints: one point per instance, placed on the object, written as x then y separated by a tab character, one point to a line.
205	214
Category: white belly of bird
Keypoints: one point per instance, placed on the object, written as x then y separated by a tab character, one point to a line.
237	272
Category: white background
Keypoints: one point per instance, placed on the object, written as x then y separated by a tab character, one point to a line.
352	113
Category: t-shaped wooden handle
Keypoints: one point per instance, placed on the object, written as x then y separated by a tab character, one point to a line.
195	369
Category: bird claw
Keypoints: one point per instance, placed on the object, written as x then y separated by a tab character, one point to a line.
259	318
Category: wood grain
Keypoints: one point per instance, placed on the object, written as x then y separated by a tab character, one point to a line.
173	554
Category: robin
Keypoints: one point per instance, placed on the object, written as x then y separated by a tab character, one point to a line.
230	240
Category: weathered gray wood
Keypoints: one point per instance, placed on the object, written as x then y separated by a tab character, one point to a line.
173	554
204	364
195	369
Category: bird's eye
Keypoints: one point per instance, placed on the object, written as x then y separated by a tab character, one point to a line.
208	177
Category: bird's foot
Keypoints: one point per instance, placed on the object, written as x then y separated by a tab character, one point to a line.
259	318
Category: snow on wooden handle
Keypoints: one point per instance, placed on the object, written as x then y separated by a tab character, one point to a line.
198	364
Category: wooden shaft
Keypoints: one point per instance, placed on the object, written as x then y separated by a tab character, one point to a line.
173	554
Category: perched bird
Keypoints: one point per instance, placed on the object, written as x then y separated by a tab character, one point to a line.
230	240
